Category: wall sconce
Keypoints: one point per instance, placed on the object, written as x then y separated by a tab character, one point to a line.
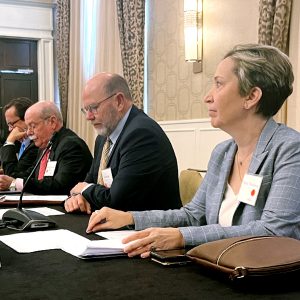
193	33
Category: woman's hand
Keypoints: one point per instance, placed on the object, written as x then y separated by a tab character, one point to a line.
142	242
108	218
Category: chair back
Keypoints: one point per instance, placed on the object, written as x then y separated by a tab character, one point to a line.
189	182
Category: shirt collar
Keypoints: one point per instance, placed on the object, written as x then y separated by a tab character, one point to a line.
26	142
115	134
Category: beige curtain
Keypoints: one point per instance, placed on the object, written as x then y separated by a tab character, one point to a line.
131	17
274	24
98	53
62	23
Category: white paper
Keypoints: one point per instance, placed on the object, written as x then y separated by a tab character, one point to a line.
32	241
65	240
116	234
46	211
37	197
94	248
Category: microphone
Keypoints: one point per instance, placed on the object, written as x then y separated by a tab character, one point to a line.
21	219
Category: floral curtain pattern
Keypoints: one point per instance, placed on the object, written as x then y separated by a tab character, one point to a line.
62	33
274	22
274	25
131	19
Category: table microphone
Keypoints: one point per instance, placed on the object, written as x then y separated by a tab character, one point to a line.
21	219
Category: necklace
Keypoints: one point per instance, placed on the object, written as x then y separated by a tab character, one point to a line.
240	162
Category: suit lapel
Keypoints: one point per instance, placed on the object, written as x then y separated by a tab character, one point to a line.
257	160
134	111
260	152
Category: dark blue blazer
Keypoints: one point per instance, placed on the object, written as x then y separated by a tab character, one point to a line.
10	163
143	165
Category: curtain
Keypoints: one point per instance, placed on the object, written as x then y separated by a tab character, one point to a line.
94	47
131	18
274	24
62	23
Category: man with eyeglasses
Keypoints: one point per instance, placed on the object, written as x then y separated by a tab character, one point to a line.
15	161
134	165
67	161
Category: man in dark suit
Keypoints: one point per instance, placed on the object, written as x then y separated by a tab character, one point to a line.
68	160
15	161
140	172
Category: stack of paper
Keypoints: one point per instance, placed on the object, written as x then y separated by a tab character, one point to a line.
65	240
97	249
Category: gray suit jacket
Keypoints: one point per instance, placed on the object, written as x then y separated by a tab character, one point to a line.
277	209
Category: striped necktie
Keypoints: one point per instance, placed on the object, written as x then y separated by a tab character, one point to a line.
22	149
104	159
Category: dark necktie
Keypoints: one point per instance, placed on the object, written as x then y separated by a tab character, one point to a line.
104	159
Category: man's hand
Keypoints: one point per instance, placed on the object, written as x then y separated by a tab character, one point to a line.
77	203
77	189
16	134
5	182
108	218
142	242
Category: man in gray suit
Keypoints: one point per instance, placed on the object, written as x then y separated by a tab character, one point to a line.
252	183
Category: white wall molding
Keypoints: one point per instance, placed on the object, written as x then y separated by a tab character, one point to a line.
46	69
32	20
193	141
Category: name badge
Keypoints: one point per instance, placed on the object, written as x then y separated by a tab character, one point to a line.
249	189
50	168
107	177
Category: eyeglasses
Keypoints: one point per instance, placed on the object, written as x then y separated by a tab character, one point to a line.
93	108
34	125
12	124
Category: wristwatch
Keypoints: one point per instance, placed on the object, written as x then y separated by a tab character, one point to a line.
12	186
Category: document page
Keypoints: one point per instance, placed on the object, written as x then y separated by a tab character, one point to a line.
65	240
47	198
27	242
115	234
95	248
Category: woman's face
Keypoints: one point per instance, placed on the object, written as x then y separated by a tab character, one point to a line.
224	102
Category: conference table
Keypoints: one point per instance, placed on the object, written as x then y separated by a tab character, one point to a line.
54	274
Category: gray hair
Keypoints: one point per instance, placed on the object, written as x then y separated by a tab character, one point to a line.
49	110
117	83
265	67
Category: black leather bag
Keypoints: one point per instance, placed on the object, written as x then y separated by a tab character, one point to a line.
249	256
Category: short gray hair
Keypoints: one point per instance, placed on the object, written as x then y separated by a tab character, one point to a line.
51	109
265	67
117	83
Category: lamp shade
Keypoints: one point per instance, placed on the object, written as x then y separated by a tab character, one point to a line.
193	30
